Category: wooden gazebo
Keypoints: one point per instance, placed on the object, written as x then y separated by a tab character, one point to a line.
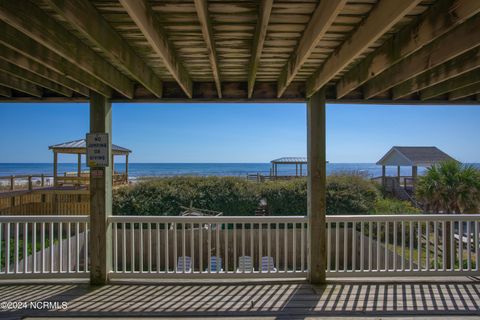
298	162
339	51
78	147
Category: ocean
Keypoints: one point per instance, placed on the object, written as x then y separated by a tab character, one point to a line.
138	170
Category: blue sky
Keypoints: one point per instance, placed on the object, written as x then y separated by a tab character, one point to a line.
240	132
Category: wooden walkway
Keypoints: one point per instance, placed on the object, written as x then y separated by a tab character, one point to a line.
282	300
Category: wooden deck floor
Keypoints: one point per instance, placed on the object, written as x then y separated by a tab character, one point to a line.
276	301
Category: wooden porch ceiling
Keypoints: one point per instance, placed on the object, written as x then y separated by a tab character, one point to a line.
367	51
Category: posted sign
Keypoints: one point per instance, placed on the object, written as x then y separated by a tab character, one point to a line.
97	150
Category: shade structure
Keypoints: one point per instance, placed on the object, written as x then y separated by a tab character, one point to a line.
413	156
80	147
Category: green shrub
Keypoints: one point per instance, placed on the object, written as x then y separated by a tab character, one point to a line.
394	206
346	194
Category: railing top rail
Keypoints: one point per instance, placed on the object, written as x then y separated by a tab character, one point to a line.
22	176
39	219
218	219
403	217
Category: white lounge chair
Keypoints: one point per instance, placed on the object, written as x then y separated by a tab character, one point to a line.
215	265
187	267
268	265
245	264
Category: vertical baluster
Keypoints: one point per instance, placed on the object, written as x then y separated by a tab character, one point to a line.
25	247
42	236
140	249
69	247
243	243
260	244
302	248
294	235
354	246
166	227
1	260
387	238
7	249
252	253
234	247
51	247
209	253
86	247
460	245
15	247
452	245
419	246
435	245
217	246
444	245
362	247
329	245
477	251
379	239
403	246
469	247
277	246
225	243
200	243
34	246
395	230
183	248
159	246
77	238
337	246
269	248
150	247
175	248
285	247
115	247
370	244
427	245
192	245
124	248
60	246
345	246
132	249
410	258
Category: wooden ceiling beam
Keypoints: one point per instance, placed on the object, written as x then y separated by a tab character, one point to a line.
148	23
26	46
381	19
453	84
24	62
20	85
464	92
85	18
207	31
258	42
321	20
38	25
456	42
438	75
26	75
5	92
436	21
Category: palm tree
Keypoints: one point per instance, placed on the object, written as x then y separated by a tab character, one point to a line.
452	188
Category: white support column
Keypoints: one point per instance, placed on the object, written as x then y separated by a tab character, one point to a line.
316	201
100	196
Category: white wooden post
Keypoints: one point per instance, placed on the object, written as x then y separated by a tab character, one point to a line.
316	203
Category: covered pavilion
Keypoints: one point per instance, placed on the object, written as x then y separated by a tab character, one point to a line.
297	161
316	52
79	148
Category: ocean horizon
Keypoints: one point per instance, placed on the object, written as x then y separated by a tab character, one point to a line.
138	170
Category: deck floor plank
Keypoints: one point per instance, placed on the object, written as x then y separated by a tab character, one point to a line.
291	300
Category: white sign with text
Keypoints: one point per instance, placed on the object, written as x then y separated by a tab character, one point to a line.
97	150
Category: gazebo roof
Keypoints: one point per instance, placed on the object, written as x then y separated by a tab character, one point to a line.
290	160
413	156
79	147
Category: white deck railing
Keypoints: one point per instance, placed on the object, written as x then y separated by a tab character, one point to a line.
43	246
151	246
397	245
242	247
